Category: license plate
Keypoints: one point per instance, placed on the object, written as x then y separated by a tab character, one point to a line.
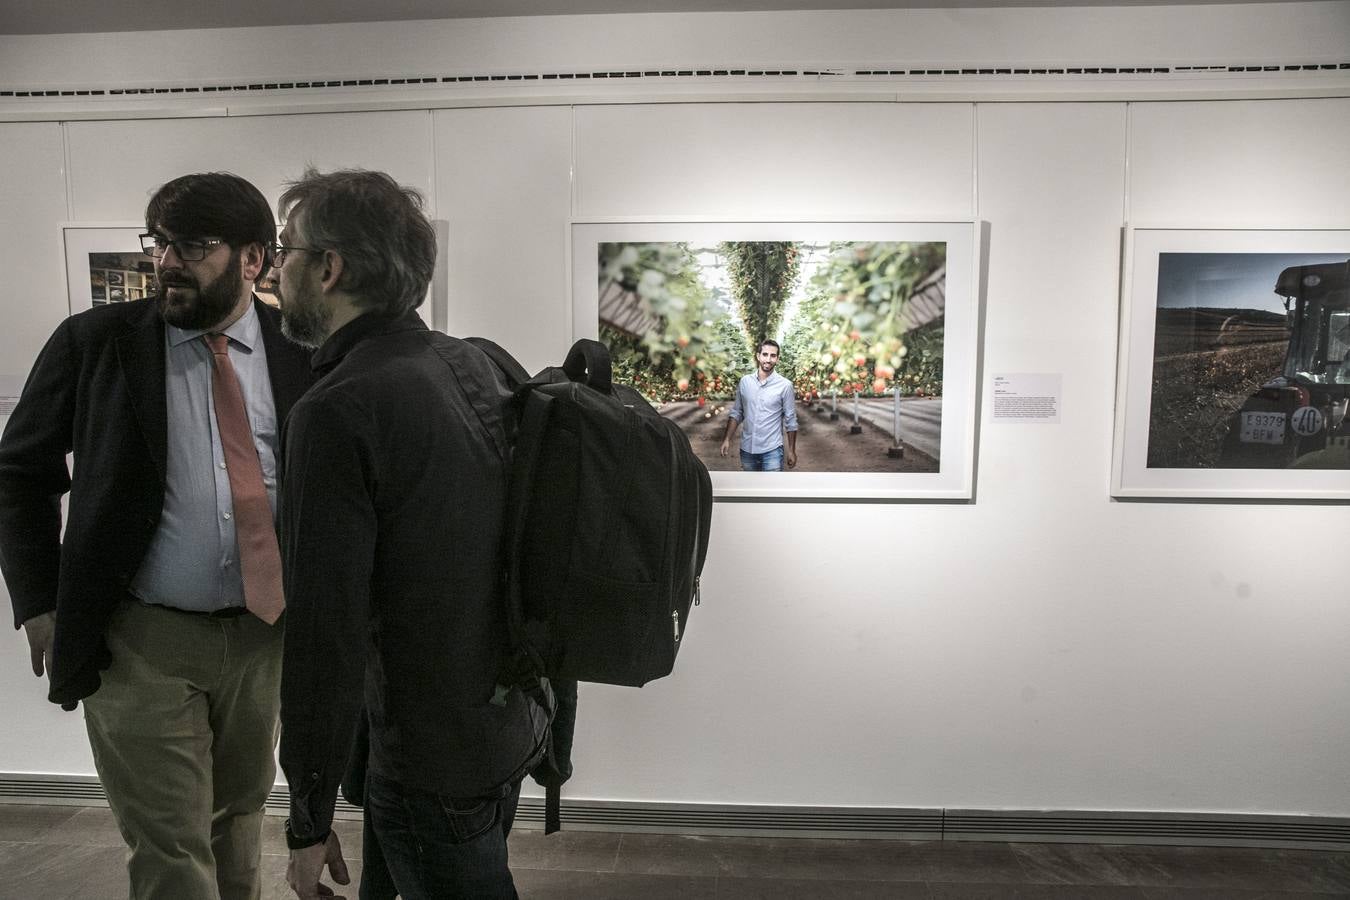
1262	428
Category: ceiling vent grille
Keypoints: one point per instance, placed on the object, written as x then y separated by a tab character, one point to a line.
727	74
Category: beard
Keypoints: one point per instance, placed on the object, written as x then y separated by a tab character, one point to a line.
199	306
305	318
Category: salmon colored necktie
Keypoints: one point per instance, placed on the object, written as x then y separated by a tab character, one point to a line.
259	556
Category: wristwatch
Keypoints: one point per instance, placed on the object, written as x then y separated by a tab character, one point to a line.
295	842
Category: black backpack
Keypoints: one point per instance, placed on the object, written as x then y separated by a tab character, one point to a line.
607	530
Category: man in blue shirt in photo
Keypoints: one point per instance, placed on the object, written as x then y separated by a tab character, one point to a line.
764	402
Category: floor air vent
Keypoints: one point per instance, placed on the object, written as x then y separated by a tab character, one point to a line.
1195	829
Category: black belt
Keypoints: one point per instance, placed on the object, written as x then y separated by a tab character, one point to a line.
229	612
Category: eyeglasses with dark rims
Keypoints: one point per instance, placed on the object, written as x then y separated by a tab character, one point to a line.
188	249
279	253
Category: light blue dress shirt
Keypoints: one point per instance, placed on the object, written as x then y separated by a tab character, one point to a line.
765	410
193	560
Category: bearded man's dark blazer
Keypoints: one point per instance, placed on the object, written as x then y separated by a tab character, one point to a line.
97	390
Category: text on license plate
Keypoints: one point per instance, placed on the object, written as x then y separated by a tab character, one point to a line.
1262	428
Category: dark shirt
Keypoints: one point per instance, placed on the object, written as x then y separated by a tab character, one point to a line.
392	516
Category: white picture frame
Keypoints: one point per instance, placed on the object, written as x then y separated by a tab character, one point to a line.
81	241
954	477
1200	334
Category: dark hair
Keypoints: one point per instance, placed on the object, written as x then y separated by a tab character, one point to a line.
387	245
766	342
215	204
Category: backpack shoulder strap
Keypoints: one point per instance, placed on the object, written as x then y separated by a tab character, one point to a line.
515	373
556	767
529	440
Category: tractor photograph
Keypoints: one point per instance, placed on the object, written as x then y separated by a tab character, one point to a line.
1297	419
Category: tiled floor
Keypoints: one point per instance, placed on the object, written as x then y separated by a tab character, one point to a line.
58	852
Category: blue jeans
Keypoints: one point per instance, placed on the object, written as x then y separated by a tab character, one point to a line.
376	882
437	846
768	461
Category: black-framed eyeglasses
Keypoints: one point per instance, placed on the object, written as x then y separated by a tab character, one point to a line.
189	250
279	253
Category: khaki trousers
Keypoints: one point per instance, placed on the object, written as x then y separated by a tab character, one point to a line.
183	729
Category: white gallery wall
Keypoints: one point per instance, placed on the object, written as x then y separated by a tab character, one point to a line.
1039	647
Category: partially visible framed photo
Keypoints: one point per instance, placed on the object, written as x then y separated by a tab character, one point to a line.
871	326
1234	368
104	264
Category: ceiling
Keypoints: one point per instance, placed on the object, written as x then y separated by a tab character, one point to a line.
70	16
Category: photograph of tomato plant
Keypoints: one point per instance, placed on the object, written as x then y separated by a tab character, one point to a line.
860	324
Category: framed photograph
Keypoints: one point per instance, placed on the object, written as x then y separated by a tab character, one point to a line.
848	348
101	262
1234	368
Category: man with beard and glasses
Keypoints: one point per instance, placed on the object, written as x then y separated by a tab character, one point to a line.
392	518
159	608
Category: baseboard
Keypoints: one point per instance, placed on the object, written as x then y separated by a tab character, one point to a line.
741	819
890	823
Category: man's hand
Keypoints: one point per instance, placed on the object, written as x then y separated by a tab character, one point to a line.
792	458
306	865
41	630
724	446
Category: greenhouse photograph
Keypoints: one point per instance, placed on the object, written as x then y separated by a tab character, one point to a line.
857	327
